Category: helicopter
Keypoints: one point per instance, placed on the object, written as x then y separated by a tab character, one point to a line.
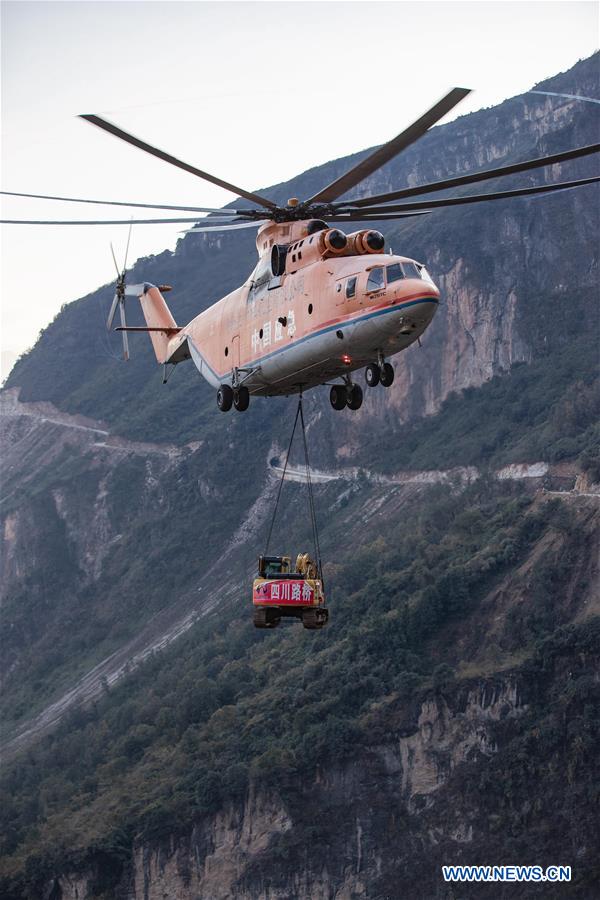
321	303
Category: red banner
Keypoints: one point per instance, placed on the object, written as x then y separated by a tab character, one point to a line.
287	592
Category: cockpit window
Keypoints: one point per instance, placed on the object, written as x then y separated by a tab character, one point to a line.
394	273
426	276
411	270
351	287
273	568
376	280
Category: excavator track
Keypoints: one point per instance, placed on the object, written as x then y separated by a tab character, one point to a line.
265	618
314	619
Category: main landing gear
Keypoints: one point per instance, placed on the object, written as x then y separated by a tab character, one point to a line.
228	397
348	394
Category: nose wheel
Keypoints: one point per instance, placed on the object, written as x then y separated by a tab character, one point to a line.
379	374
386	376
372	375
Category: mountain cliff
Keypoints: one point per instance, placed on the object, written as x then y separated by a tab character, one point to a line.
156	745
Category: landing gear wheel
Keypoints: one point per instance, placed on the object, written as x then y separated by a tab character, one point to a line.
338	395
313	619
372	375
386	376
224	398
241	398
354	397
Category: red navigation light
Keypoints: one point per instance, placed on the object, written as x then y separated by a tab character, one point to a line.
346	359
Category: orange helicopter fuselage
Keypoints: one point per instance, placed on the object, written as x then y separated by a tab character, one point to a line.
327	314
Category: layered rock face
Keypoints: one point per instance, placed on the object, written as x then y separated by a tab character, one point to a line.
232	854
379	826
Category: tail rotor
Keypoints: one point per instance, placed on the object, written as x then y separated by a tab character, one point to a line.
119	299
160	323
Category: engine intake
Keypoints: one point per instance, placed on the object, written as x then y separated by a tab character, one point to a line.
278	258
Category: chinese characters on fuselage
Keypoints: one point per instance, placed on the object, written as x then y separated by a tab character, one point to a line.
269	333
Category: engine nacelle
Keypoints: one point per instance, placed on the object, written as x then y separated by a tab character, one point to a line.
320	244
365	241
333	242
323	243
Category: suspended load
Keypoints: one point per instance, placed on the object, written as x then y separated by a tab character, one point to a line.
282	591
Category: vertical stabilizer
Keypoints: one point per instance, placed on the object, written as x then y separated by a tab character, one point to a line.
158	315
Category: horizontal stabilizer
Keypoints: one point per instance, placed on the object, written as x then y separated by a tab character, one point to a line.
166	330
135	290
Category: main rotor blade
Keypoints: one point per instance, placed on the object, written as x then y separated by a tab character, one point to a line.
226	227
377	159
112	250
166	157
99	221
461	180
379	211
127	249
203	209
365	216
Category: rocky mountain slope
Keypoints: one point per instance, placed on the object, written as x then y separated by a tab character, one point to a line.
155	744
27	432
410	802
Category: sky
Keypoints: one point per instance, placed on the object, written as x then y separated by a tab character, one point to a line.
253	92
